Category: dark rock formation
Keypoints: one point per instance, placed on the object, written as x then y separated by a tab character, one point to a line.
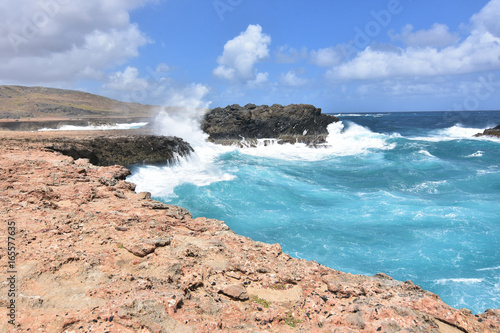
123	150
291	123
495	131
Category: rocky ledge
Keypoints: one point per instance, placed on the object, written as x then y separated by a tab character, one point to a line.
495	131
95	256
105	148
291	123
124	150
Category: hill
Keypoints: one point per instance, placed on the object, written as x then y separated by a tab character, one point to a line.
18	102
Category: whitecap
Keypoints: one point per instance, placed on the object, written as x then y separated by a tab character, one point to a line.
425	152
120	126
375	115
456	132
459	280
198	169
478	153
488	269
344	139
430	187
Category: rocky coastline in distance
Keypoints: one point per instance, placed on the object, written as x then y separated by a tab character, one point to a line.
95	256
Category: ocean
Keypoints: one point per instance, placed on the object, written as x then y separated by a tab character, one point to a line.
410	194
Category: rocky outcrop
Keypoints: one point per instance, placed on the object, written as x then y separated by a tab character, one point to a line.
291	123
123	150
95	256
495	131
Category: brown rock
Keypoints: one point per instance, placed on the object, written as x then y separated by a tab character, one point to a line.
236	292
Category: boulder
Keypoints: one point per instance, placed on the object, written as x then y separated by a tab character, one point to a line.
291	123
495	131
236	292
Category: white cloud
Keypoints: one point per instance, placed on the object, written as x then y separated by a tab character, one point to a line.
290	55
292	80
153	88
162	68
404	88
259	80
242	53
488	19
326	57
128	80
437	36
50	41
478	52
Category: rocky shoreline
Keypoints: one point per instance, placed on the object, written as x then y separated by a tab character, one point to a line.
95	256
495	132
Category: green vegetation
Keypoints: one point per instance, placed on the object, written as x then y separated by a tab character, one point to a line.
261	301
279	286
289	320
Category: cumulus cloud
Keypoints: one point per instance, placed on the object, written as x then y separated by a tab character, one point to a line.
259	80
478	52
292	80
154	87
326	57
242	53
289	55
128	80
488	19
437	36
59	40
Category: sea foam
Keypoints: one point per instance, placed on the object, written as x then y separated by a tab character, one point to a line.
122	126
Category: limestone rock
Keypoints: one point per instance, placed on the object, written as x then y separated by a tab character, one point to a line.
236	292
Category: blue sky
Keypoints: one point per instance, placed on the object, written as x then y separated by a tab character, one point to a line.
342	56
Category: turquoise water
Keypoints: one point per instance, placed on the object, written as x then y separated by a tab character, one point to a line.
412	195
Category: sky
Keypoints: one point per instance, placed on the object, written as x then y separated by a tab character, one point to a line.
341	56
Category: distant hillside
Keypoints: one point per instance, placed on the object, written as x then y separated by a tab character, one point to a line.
17	102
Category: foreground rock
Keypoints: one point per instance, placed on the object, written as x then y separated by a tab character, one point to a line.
291	123
94	256
124	150
107	148
495	131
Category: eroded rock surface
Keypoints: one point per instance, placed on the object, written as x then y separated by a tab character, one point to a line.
290	123
495	131
95	256
124	150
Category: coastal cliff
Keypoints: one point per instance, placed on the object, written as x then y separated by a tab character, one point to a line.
95	256
291	123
